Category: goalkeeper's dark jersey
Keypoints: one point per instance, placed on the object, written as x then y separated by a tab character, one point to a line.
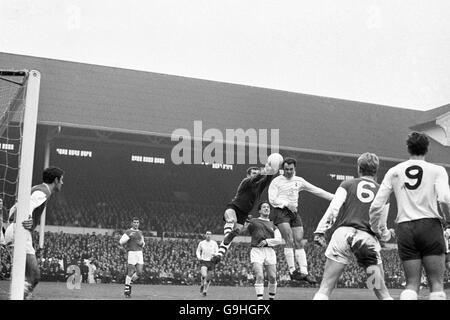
249	190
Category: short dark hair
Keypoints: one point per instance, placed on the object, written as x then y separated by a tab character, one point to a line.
261	203
288	161
249	170
51	173
135	218
417	143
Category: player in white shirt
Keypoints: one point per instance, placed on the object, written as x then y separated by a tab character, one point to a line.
283	196
206	249
419	187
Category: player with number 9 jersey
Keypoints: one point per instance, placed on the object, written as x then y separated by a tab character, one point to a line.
419	187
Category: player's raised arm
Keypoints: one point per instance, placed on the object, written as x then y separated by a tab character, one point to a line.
378	209
316	190
332	212
273	195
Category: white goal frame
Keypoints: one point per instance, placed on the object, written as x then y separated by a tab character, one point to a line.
25	180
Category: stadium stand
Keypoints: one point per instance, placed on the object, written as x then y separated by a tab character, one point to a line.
173	262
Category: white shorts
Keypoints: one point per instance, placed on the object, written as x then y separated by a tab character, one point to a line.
347	242
135	257
264	255
9	239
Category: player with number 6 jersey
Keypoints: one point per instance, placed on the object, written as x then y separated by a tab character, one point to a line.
419	187
349	211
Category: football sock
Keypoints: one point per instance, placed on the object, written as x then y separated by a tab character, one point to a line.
300	255
289	254
272	290
259	288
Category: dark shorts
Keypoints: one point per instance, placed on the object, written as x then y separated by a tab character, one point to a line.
241	216
420	238
208	264
285	215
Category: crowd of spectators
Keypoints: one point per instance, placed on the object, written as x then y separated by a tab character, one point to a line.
173	261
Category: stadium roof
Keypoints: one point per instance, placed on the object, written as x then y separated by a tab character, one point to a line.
106	98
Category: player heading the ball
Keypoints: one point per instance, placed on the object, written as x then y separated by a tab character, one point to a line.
283	196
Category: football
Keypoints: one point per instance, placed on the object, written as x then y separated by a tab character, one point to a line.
275	160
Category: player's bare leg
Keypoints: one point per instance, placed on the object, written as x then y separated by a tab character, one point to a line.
272	276
259	280
413	270
230	230
382	291
300	255
286	233
131	271
139	271
32	275
435	268
204	277
331	274
207	283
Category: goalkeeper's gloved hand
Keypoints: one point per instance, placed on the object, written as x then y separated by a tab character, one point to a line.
319	239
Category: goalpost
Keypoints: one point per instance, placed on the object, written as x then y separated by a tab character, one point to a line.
19	97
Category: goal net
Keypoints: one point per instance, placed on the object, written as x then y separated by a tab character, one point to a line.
19	93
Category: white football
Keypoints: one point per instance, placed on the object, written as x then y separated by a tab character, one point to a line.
275	160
